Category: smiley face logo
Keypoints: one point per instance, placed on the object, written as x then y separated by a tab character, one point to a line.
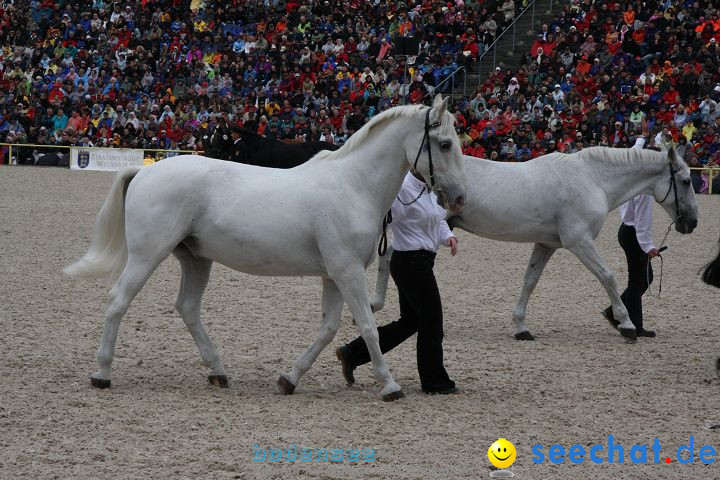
502	453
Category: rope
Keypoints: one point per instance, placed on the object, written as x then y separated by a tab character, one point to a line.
387	220
416	198
382	246
662	248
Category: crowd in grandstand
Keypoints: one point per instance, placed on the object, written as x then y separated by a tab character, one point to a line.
160	74
157	74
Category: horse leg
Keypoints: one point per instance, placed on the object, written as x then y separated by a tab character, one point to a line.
538	259
587	253
377	301
332	303
353	285
711	272
131	280
195	275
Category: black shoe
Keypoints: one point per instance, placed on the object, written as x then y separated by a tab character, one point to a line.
443	391
343	354
641	332
608	314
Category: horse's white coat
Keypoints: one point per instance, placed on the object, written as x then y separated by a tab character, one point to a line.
321	218
560	200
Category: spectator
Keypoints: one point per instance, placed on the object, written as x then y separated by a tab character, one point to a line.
59	121
140	70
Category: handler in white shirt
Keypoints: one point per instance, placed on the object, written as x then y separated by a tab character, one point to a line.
635	238
419	227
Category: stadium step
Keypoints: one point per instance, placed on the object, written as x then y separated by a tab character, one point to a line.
509	54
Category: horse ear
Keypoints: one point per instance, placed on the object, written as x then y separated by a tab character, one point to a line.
672	156
440	107
438	100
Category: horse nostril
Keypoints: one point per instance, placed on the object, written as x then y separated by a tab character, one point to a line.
693	224
459	201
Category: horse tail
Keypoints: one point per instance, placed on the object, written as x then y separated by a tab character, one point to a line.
107	254
711	272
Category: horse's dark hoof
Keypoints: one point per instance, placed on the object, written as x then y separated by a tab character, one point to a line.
392	396
629	333
526	335
717	367
99	382
285	385
218	380
610	318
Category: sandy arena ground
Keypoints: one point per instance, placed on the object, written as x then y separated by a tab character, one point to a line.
579	382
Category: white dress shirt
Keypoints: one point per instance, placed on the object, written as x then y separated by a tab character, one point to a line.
637	212
420	225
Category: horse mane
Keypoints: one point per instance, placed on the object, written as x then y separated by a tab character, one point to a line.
625	156
250	133
360	136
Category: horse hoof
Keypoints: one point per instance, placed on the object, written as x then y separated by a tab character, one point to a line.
218	380
629	333
99	382
285	385
526	335
392	396
717	367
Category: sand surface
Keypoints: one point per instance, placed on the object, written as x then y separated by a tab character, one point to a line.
579	382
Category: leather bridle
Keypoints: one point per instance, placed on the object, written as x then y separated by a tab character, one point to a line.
673	187
425	143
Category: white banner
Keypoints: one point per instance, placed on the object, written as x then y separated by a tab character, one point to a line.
110	159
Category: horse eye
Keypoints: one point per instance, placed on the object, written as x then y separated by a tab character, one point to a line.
445	145
686	182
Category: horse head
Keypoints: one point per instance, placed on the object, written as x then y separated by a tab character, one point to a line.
219	142
439	159
674	191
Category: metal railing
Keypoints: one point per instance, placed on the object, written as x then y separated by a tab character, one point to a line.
451	78
493	46
158	153
711	172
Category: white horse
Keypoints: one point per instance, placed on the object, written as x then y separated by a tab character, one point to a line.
560	200
321	218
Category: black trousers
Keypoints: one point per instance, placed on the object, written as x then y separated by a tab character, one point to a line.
421	312
640	274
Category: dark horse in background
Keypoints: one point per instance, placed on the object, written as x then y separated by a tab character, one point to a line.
266	152
711	272
711	276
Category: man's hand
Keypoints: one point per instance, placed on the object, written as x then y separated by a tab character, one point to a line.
653	253
453	244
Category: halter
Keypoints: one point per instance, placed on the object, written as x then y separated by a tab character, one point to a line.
673	187
426	136
382	246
